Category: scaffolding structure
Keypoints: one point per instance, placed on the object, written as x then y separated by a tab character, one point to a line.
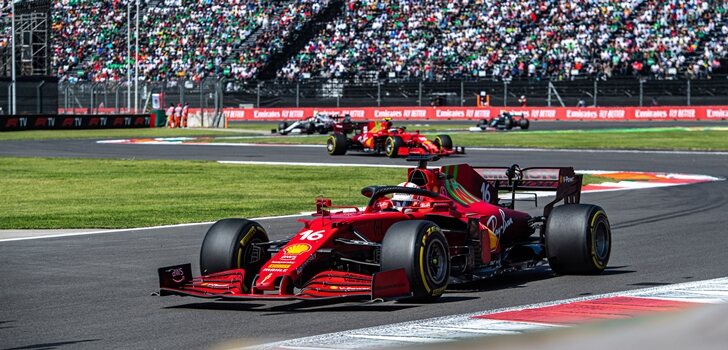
32	39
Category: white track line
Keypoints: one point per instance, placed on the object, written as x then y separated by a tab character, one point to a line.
252	162
514	149
139	229
485	149
465	326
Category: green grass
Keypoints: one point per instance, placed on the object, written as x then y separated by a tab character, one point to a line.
40	193
667	139
87	193
706	139
108	134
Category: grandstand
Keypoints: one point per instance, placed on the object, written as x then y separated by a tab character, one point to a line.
392	40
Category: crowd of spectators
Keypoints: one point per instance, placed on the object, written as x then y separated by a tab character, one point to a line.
193	39
88	41
277	29
402	39
179	39
436	40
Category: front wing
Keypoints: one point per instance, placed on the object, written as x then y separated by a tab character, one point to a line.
327	285
408	151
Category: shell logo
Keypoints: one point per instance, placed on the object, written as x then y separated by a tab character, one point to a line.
297	249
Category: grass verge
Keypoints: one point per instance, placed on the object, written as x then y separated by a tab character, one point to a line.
703	139
40	193
108	134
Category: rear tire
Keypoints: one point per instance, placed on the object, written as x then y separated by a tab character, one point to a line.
420	248
578	239
524	124
336	144
508	123
392	146
443	142
228	245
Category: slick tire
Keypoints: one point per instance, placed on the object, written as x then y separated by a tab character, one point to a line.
508	123
392	146
443	142
420	248
228	245
282	126
524	124
336	144
578	239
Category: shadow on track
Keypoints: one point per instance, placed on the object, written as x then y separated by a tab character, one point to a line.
53	345
521	279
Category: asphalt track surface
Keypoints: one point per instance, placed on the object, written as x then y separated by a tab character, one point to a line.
95	291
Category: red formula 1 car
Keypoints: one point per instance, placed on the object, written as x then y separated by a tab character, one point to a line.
443	226
381	137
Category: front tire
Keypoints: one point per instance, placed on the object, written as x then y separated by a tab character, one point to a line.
282	126
229	244
336	144
524	124
420	248
443	142
578	239
392	146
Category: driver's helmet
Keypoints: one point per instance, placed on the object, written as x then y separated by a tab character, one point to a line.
404	200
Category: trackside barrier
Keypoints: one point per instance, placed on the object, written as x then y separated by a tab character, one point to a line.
66	122
473	113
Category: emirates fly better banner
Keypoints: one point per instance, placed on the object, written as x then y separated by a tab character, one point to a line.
474	113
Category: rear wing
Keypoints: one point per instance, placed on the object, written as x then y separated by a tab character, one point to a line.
487	182
348	127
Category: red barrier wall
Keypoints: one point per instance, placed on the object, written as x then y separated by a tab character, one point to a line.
474	113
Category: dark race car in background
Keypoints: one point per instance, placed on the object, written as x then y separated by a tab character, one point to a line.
454	229
320	123
381	137
504	121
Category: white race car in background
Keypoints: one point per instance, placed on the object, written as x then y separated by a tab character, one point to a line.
320	123
504	121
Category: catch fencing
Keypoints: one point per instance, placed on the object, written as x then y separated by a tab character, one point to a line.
212	95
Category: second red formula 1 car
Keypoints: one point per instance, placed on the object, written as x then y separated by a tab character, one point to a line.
381	137
439	227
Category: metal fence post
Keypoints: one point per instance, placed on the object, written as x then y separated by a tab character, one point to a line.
642	82
462	93
91	104
257	95
181	86
379	94
689	91
419	98
298	94
221	90
505	93
65	102
39	97
596	82
548	99
116	99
